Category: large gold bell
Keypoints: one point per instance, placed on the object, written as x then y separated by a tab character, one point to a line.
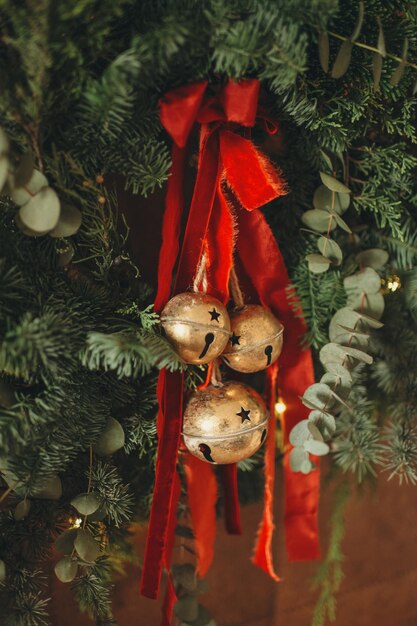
197	326
256	340
225	424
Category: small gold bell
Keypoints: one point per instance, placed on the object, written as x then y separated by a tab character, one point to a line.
225	424
197	325
256	340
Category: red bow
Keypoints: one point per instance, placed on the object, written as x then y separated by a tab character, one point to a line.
229	164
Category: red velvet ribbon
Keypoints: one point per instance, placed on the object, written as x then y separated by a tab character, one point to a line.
225	159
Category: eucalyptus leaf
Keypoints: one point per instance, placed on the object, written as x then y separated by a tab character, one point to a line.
111	439
314	431
306	466
359	22
371	305
328	200
325	422
185	575
27	231
317	263
381	38
398	74
4	169
22	510
86	503
86	546
318	396
24	171
2	571
22	195
98	515
298	457
318	448
335	353
65	541
365	281
299	433
324	51
41	212
375	258
333	184
186	608
66	569
341	386
318	220
341	223
4	142
69	221
330	249
342	60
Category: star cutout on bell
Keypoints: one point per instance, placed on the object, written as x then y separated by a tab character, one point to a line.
235	340
244	414
214	315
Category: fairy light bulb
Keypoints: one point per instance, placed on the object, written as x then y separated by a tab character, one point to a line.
280	407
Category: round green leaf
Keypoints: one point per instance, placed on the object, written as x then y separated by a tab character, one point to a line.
317	263
366	281
186	608
51	490
98	515
324	51
4	170
299	433
185	575
298	459
42	211
24	171
111	439
324	421
27	231
4	142
328	200
86	503
314	431
66	569
341	222
330	249
318	396
370	306
342	60
333	184
86	546
22	509
373	257
335	353
318	220
21	195
2	571
69	221
65	541
318	448
341	386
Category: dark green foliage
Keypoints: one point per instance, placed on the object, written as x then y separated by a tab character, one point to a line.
79	342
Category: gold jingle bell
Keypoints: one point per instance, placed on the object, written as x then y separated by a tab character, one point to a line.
197	326
225	424
256	340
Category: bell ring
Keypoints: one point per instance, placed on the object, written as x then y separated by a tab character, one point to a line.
256	340
225	424
197	326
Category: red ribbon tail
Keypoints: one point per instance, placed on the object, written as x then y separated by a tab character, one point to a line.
169	428
263	264
170	595
262	556
202	498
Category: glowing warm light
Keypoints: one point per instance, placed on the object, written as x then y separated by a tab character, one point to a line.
280	407
76	523
393	285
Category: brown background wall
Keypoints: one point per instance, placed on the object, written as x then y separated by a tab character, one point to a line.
379	587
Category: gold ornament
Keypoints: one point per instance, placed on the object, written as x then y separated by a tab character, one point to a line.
256	340
197	325
225	423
